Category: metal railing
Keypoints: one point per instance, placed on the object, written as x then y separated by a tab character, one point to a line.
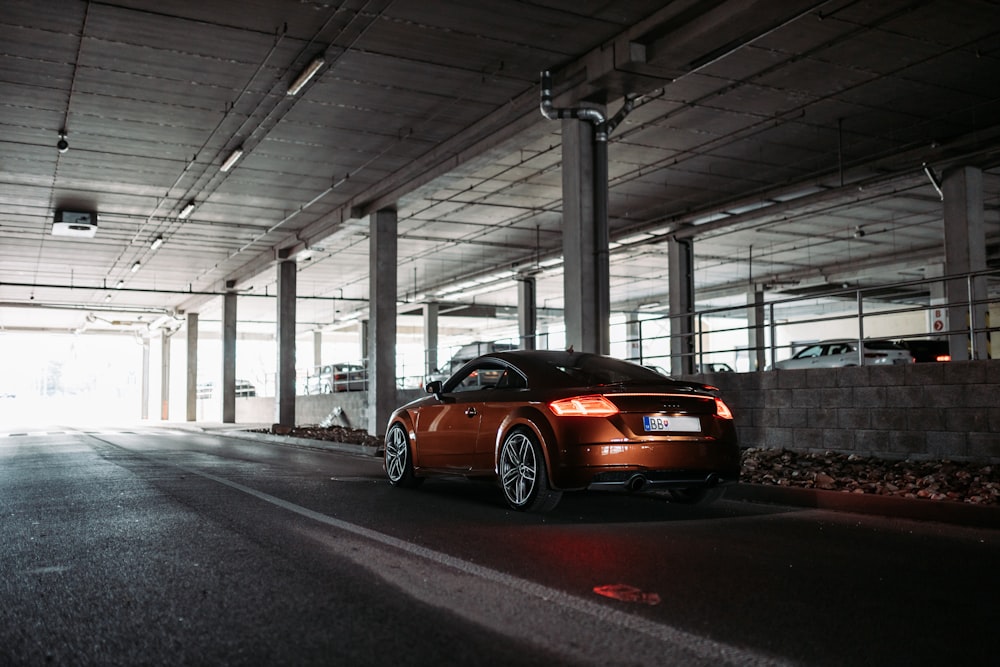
957	308
753	336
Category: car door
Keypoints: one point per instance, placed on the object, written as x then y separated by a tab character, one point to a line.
508	392
447	430
805	358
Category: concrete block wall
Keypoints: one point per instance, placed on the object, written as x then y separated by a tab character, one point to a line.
919	411
315	408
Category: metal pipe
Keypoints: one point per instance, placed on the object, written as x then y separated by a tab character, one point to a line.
549	110
602	260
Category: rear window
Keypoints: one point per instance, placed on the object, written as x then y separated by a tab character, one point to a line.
883	345
587	370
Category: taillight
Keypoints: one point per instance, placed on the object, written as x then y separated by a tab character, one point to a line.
943	357
722	410
584	406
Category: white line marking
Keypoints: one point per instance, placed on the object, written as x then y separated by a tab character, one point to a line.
707	649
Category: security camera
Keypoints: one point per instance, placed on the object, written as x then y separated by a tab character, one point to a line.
859	233
63	145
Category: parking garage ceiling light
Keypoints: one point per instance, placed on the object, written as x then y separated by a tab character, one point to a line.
232	159
186	211
157	242
308	73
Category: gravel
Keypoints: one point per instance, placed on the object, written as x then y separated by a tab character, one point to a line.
974	483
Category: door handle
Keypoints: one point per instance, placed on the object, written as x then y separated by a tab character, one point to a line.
470	412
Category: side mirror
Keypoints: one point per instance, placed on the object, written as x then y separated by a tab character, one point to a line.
434	388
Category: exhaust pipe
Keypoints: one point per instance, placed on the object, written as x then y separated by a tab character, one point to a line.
636	483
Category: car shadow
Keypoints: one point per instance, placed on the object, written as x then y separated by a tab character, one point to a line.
465	495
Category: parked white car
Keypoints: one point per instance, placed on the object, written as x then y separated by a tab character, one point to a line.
840	353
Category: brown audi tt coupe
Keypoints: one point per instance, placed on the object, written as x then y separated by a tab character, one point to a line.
544	422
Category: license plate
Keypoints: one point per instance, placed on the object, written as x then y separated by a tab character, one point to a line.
654	423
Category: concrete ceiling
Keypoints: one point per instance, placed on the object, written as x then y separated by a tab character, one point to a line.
769	132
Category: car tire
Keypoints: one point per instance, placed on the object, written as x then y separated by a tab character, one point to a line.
523	476
697	496
399	459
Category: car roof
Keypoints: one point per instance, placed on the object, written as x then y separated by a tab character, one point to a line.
543	363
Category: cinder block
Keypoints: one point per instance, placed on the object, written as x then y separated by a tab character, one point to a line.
807	398
888	418
924	419
822	417
778	398
808	438
964	372
766	380
867	442
887	376
838	397
910	443
968	420
924	374
792	379
993	419
869	397
906	396
982	396
793	417
838	440
946	395
745	399
777	438
748	436
854	418
768	417
821	377
984	447
854	376
992	372
947	445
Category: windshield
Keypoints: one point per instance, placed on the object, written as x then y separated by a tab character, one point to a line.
589	370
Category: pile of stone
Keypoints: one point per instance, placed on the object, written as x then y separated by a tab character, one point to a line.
353	436
974	483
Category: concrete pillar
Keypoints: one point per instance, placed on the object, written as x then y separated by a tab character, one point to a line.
192	367
382	320
164	374
756	339
317	358
680	271
585	238
228	388
527	312
285	394
363	333
965	252
633	337
431	311
144	407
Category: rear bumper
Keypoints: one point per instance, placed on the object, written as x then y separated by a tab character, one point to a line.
635	480
677	463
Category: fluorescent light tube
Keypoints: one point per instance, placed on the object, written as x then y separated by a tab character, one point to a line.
308	73
187	210
157	242
135	267
231	160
